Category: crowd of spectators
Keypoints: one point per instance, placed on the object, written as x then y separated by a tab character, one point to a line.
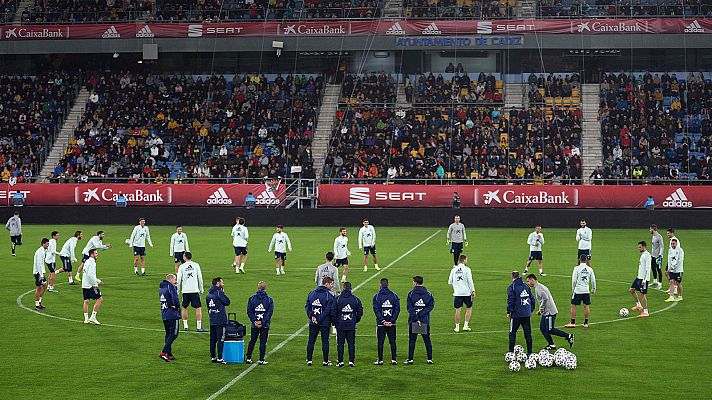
31	113
552	86
471	143
153	128
456	88
368	89
71	11
623	8
655	126
457	9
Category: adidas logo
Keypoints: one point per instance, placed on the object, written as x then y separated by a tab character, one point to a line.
386	304
260	308
111	33
694	27
211	304
163	298
219	197
677	199
316	303
431	29
347	308
524	294
420	303
267	198
145	32
395	29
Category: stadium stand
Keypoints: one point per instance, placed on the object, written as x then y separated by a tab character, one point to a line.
456	88
457	9
32	112
151	128
656	126
368	89
623	8
472	143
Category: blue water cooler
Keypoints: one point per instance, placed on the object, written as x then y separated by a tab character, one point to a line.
234	352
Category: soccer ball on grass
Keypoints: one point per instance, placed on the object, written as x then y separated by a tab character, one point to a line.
624	312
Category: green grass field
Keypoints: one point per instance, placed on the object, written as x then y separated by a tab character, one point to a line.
55	355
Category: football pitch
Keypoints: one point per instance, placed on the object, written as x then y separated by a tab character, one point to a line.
53	354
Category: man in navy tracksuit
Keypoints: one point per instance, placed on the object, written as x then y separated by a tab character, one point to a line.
319	308
386	306
170	313
520	305
420	303
216	301
346	313
259	309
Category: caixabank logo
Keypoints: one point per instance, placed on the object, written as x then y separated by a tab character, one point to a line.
525	197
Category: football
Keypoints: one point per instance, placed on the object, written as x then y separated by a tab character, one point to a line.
509	357
514	366
624	312
530	363
518	349
521	357
546	361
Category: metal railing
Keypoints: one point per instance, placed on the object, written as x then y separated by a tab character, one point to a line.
514	181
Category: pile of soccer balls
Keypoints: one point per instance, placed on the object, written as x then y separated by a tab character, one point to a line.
561	358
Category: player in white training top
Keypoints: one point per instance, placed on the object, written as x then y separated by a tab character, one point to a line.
640	283
138	239
51	260
67	256
535	240
367	242
584	237
95	242
240	236
463	290
280	242
341	253
179	245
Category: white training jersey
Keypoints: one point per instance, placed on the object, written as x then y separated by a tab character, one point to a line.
93	243
583	237
68	248
240	235
461	280
89	279
179	243
676	258
280	242
38	266
535	240
366	236
581	278
190	278
456	233
341	247
139	236
14	225
644	266
51	255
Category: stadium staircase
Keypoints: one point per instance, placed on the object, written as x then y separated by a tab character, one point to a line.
525	9
393	8
400	98
24	5
327	112
65	135
515	96
591	147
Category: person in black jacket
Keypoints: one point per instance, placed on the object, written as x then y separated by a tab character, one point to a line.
216	301
520	305
170	313
420	303
386	306
259	309
346	314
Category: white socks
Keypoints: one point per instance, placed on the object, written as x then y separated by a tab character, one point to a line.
143	270
457	326
93	315
466	325
281	270
200	324
638	304
185	324
86	316
37	303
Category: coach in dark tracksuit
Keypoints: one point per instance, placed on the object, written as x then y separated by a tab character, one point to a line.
170	313
216	301
520	305
386	306
346	313
320	303
420	303
259	309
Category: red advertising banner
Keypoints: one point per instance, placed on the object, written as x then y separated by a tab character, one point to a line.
208	195
360	28
491	196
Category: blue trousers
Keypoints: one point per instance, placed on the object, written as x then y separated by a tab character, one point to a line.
314	331
350	338
547	326
217	340
172	328
526	325
262	333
